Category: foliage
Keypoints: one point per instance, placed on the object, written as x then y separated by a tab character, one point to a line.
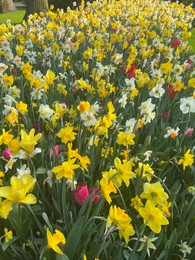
97	133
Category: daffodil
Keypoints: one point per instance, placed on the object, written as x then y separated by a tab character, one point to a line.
147	243
122	221
124	170
107	187
66	134
153	216
8	235
54	240
28	141
20	189
66	169
187	160
5	208
155	193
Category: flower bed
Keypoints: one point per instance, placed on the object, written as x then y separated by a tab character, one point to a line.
97	133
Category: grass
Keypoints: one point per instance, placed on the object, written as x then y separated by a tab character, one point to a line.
192	40
16	17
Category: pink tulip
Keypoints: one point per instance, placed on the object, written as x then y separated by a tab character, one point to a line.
81	193
189	132
95	195
7	153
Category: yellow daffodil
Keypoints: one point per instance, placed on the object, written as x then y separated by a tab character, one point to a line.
187	160
121	220
20	189
66	134
28	141
5	137
54	240
124	170
5	208
66	169
107	187
155	193
8	235
153	216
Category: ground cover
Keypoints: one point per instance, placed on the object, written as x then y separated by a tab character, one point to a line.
97	133
14	17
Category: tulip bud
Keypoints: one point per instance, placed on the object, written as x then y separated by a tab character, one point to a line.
7	153
189	132
81	193
95	195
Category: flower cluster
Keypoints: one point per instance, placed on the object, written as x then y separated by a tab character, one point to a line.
97	130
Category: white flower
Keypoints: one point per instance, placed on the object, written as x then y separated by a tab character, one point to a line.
184	248
187	105
177	69
14	91
18	61
130	83
130	124
156	73
157	91
23	170
10	163
147	242
3	67
123	100
45	112
146	106
37	93
173	133
88	118
118	58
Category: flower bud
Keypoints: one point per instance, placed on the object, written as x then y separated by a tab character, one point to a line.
95	195
7	153
81	193
189	132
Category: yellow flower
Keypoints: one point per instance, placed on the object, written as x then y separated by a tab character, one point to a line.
107	187
49	77
8	235
144	170
155	193
66	134
119	218
191	82
5	208
125	139
8	80
54	240
153	217
83	106
28	141
5	138
19	190
22	107
187	160
66	169
136	202
124	170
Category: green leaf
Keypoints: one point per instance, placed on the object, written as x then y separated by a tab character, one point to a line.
74	238
62	257
45	217
40	170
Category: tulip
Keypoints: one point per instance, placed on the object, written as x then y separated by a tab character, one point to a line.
95	195
7	153
189	132
81	193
